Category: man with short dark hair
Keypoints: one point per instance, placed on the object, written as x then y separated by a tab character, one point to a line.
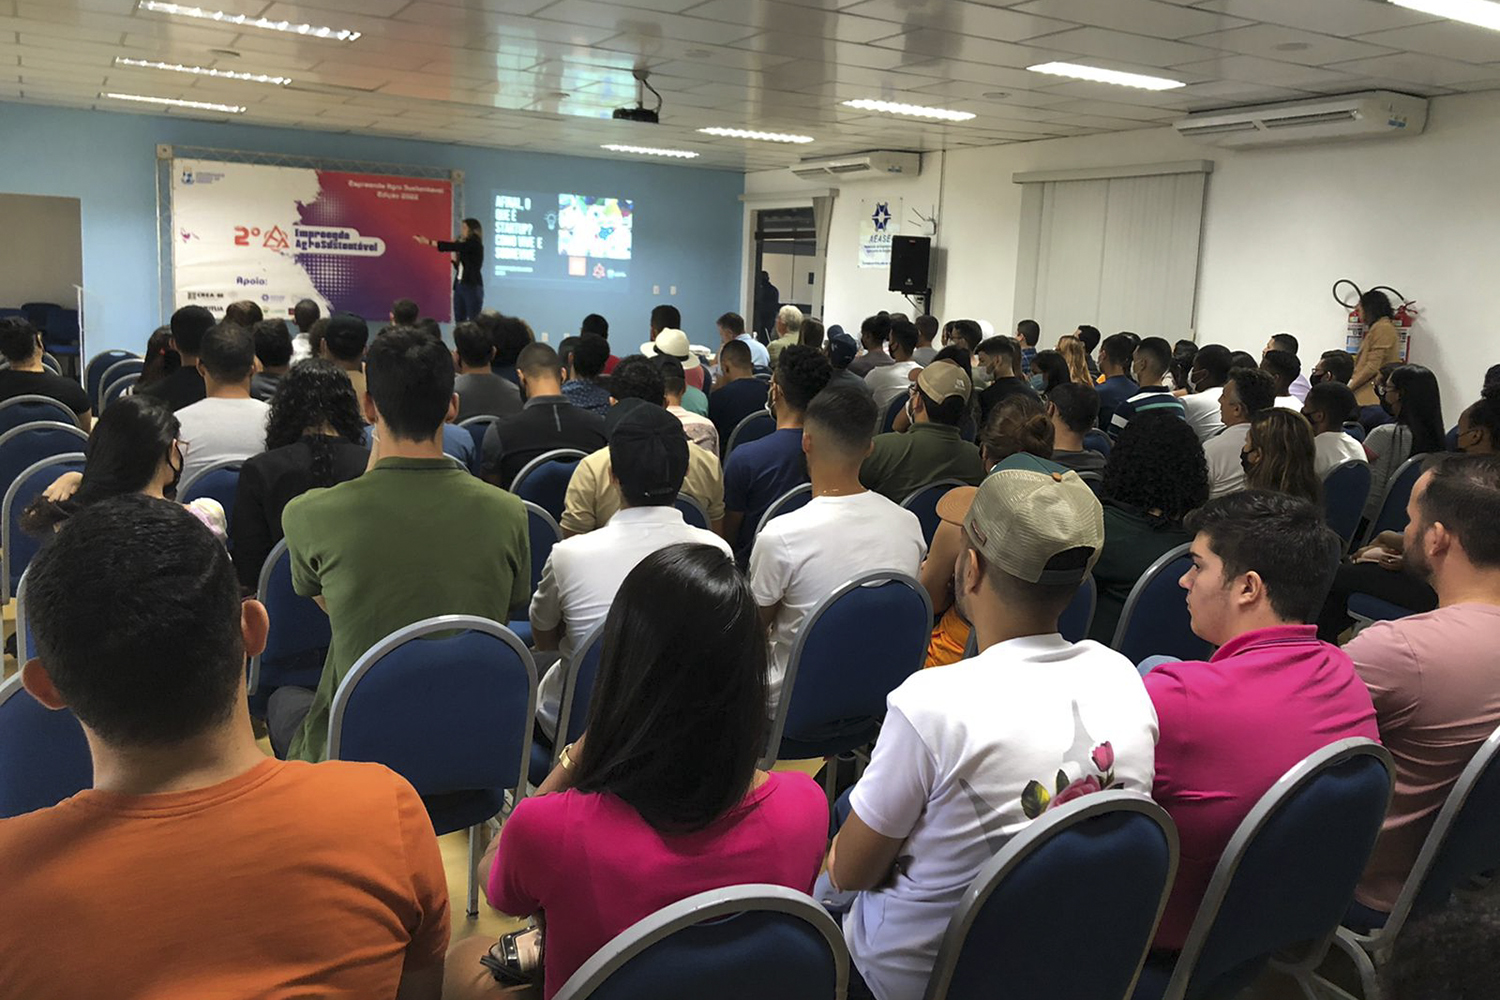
927	330
1269	696
1073	409
245	313
732	327
1028	335
1247	393
1333	366
139	630
970	753
184	386
1433	676
738	393
1115	356
1288	343
886	382
1152	361
597	324
228	423
344	341
758	472
699	429
1284	369
583	389
415	536
1327	407
903	462
873	333
273	349
26	375
1001	358
1206	380
304	314
480	391
965	333
673	344
1089	337
547	422
404	312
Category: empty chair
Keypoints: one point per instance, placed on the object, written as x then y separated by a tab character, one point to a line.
36	312
121	386
447	703
793	499
44	757
1392	515
579	672
854	649
544	479
1346	487
17	547
477	428
754	427
746	942
1117	853
1155	619
692	511
60	332
116	370
1285	879
298	640
924	501
1464	842
18	410
93	372
219	481
24	446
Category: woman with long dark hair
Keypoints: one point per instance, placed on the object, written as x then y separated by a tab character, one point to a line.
1049	369
161	360
662	799
1281	454
314	437
1156	474
1377	348
1410	395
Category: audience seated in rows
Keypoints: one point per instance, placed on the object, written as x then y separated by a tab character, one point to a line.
1246	393
244	313
315	436
1074	410
699	429
184	386
509	335
886	382
1089	337
1001	358
964	333
413	537
788	331
970	753
1151	361
873	334
1270	695
1333	366
1279	454
273	352
1328	407
228	424
547	421
1410	396
481	393
667	317
1076	358
1049	369
261	873
902	463
1206	381
585	366
737	392
25	375
760	471
812	334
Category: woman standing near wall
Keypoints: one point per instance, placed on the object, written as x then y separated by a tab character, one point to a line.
1378	348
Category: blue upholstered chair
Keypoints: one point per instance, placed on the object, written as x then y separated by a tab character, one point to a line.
477	428
544	479
924	501
1346	487
754	427
1392	513
16	546
297	643
579	672
93	372
1155	619
219	481
31	409
24	446
44	757
692	511
793	499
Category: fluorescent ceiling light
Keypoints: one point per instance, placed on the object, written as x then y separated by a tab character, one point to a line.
912	110
246	21
1480	12
681	154
232	109
745	133
1097	75
221	74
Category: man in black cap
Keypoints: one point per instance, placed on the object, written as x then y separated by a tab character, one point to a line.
840	349
649	458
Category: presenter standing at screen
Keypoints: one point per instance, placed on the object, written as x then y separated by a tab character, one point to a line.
468	279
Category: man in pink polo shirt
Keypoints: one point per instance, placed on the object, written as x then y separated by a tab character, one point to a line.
1433	676
1271	695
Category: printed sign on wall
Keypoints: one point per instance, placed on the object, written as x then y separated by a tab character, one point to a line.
880	220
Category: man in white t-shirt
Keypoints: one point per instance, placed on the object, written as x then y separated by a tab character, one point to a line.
1285	369
843	532
970	753
1206	381
1248	391
648	456
228	423
892	380
1327	407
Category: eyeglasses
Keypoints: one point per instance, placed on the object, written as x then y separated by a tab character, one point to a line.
1380	390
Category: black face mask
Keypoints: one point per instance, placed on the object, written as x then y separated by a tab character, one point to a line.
170	490
1245	462
1385	405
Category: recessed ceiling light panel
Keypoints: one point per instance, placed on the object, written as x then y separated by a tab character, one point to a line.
1479	12
910	110
1096	75
220	74
746	133
246	21
172	102
681	154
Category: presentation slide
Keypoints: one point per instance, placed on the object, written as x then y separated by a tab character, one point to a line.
562	240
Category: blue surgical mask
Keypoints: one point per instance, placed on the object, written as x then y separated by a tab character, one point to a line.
1039	382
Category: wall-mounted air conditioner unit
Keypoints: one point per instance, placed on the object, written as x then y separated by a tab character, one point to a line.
1368	115
860	166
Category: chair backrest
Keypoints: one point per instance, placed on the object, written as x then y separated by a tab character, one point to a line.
754	427
98	365
220	481
116	368
44	757
446	702
745	942
32	409
1155	619
24	446
854	649
544	479
300	631
894	407
1288	874
578	689
477	428
692	511
1392	514
36	312
1346	488
924	501
544	534
1097	440
51	363
122	385
17	547
1117	854
25	645
793	499
1078	616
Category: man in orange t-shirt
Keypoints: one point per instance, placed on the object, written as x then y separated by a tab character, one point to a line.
197	867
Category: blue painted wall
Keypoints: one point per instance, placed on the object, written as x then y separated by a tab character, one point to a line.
687	228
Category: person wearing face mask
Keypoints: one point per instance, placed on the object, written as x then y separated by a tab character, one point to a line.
1001	358
1205	384
1279	454
1248	391
1410	396
135	448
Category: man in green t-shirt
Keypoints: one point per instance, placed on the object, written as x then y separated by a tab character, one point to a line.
901	463
414	537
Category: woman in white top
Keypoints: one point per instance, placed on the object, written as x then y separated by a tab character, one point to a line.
1410	395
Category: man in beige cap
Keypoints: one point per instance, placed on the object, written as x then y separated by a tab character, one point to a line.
902	463
969	754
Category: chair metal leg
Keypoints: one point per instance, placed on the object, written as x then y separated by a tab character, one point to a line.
831	779
473	910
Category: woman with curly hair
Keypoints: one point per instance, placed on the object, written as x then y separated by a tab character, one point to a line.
1155	475
314	437
1280	454
1071	348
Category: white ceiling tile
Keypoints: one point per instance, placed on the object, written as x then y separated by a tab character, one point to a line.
1274	41
1421	69
1103	43
768	15
1269	72
1141	17
1442	38
959	17
1341	18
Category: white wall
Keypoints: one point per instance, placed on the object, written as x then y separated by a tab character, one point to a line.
1420	214
41	257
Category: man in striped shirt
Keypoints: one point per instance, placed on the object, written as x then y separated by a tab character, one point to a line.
1153	358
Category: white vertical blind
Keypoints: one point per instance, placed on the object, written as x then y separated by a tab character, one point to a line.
1119	252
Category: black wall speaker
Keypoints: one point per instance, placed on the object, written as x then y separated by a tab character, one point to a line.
909	258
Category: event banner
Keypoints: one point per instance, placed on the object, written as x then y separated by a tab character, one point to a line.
276	235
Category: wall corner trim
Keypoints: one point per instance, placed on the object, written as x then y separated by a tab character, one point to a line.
1110	173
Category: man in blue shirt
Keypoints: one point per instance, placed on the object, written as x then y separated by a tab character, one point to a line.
1153	358
755	474
732	327
738	392
1028	334
1115	355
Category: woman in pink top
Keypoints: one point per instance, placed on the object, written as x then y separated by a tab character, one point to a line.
663	799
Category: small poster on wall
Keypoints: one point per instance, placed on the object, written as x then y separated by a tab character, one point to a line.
880	220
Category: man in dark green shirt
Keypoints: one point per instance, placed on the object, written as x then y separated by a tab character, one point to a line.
414	537
902	463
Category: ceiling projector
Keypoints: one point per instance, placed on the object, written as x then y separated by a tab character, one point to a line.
641	113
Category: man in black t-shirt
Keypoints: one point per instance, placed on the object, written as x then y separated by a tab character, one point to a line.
739	393
184	387
27	376
1001	357
547	421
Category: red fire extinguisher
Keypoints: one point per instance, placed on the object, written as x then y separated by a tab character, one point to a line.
1347	294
